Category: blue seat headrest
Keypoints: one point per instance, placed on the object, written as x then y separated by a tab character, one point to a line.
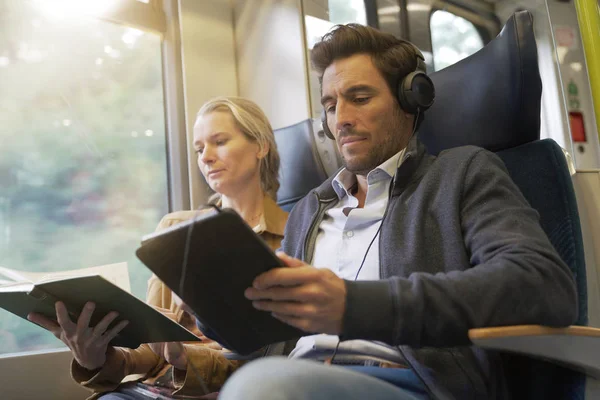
490	99
307	159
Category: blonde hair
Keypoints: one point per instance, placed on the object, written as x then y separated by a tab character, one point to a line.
254	124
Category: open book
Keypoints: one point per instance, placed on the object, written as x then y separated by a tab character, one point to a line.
116	274
107	286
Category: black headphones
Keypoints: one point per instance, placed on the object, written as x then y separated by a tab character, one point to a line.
415	92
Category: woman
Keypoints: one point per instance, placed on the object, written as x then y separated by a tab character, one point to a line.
238	157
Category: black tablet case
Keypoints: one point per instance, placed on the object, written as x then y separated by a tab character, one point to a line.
224	257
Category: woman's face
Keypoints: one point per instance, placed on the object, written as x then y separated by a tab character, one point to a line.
228	160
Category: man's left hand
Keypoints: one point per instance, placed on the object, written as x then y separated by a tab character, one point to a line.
303	296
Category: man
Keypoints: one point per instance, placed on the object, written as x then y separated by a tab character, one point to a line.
454	246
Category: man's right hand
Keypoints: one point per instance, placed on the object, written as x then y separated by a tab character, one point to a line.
88	344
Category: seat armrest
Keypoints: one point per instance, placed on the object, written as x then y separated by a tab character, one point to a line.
576	347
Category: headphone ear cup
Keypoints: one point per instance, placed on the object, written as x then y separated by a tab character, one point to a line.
405	103
325	126
416	92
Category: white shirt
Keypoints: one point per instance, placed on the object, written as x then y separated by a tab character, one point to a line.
343	238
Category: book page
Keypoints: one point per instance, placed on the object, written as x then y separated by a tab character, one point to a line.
16	287
12	275
117	274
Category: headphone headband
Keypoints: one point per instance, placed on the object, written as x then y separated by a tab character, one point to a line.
421	66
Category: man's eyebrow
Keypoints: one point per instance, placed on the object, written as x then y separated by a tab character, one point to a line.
359	88
325	99
351	91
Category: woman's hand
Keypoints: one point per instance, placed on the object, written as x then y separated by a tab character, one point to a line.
211	344
172	352
88	344
207	342
181	304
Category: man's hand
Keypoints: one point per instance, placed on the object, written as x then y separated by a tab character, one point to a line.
172	352
88	344
303	296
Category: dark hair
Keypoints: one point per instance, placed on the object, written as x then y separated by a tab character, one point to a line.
393	57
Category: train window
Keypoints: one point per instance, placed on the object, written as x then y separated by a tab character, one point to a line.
83	171
452	38
346	11
318	20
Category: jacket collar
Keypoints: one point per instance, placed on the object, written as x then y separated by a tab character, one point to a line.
406	173
273	219
410	170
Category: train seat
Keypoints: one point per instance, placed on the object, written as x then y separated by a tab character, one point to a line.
499	109
307	159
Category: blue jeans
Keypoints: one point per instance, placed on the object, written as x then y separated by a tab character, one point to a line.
116	396
277	378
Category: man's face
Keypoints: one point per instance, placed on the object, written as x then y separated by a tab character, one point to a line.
362	113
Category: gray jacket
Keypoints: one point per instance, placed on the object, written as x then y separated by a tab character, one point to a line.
460	248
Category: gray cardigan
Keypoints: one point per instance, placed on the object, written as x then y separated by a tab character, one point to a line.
460	248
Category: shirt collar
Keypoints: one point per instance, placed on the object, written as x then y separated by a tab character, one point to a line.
345	180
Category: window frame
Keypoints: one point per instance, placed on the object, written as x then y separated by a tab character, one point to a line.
487	26
162	17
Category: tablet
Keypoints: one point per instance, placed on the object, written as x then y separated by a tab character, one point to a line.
209	262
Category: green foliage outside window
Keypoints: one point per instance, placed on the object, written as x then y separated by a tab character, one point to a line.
83	172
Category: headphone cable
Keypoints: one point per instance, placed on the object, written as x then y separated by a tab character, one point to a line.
387	206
